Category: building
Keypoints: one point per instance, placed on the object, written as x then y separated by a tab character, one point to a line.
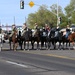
9	28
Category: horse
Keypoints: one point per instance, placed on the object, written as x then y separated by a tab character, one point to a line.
51	38
43	38
54	36
26	37
71	38
14	40
58	38
35	38
65	39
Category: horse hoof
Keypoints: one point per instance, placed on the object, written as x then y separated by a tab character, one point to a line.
28	50
14	50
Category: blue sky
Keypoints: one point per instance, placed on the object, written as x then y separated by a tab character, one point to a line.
11	8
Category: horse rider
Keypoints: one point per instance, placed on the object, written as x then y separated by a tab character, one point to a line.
35	29
57	31
24	27
47	27
13	30
67	31
45	32
57	28
0	29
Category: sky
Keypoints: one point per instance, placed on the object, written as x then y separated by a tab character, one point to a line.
11	13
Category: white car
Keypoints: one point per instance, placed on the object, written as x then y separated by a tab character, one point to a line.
72	27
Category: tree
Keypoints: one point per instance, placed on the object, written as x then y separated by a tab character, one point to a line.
42	16
46	16
70	11
54	9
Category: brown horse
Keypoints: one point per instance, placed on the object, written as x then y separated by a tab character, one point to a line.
14	40
71	38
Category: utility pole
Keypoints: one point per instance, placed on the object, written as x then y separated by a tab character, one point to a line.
0	22
14	20
57	13
25	19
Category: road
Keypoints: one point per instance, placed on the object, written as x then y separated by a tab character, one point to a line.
27	63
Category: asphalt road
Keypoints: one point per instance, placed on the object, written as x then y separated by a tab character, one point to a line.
24	63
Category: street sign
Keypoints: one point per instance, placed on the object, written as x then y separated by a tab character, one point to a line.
31	4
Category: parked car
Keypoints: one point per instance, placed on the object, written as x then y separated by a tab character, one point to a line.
72	27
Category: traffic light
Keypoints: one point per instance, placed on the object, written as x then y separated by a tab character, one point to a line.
59	20
21	4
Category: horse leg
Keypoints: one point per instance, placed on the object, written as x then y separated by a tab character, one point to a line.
63	45
59	46
37	45
10	44
32	43
73	45
13	46
46	44
20	44
16	45
28	45
24	45
49	45
69	45
42	44
54	45
66	45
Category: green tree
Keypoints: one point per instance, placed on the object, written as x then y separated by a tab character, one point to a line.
46	16
70	11
42	16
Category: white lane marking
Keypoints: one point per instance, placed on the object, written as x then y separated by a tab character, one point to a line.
14	63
